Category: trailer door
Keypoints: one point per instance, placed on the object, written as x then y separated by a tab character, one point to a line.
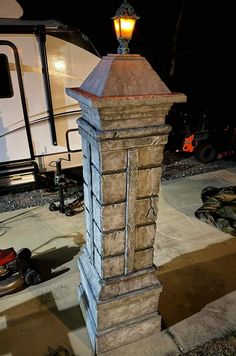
15	138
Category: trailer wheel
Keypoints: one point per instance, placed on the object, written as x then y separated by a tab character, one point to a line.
68	212
205	152
52	207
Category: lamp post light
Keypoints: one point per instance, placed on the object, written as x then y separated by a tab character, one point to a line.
124	23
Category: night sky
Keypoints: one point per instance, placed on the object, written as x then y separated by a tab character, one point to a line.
204	57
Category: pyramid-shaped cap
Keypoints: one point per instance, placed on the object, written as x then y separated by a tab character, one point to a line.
123	75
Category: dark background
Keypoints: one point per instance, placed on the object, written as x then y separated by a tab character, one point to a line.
204	55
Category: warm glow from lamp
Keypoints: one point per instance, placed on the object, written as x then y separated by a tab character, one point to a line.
124	23
124	28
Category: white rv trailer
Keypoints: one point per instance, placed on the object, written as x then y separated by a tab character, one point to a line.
38	60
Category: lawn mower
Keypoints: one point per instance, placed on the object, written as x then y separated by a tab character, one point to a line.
16	271
197	134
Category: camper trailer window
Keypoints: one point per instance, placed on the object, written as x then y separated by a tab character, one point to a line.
6	90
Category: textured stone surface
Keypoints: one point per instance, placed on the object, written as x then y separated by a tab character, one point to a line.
124	104
109	188
136	78
129	332
109	217
143	259
112	287
148	182
145	236
109	161
109	244
129	112
128	307
109	267
137	281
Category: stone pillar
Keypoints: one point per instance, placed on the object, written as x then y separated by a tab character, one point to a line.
124	104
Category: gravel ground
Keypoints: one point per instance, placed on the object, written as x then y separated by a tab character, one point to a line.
27	199
179	166
225	346
174	166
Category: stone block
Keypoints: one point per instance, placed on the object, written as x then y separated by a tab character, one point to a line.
132	116
85	148
145	236
128	307
133	142
150	156
143	259
87	197
148	182
125	112
109	244
110	266
133	121
109	161
131	282
96	157
89	243
86	170
89	226
128	332
91	115
110	217
146	211
109	188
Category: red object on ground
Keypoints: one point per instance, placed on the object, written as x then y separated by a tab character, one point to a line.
7	256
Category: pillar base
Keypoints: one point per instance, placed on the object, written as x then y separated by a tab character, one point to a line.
115	319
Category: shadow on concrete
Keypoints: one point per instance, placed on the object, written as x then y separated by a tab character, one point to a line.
37	327
51	263
195	279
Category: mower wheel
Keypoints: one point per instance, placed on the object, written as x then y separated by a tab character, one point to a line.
205	152
32	277
24	254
